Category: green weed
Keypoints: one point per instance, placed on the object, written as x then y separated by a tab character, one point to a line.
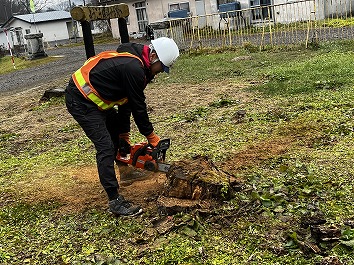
8	136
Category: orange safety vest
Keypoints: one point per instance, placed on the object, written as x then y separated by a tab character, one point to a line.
82	81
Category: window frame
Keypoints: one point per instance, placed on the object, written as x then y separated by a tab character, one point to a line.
260	10
142	23
179	6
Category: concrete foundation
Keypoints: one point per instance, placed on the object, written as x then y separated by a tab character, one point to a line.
35	46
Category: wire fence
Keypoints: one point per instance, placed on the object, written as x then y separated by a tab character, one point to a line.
297	22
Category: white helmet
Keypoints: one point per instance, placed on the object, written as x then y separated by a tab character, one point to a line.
167	51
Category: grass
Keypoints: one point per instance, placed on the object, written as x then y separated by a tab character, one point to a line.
18	63
7	65
337	22
293	150
266	27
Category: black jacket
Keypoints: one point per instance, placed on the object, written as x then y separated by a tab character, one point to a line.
121	77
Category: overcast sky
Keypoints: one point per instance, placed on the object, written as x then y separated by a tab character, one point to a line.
54	3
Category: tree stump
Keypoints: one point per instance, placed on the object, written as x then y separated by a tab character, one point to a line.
198	179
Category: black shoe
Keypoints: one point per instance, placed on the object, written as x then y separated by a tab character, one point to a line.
122	207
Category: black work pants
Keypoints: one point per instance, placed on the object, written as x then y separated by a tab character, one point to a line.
102	129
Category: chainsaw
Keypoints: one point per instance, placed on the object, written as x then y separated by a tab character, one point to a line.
144	155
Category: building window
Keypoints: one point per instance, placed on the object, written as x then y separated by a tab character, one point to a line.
179	6
262	9
141	15
28	31
220	2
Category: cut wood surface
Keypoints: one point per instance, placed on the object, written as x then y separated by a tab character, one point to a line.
196	179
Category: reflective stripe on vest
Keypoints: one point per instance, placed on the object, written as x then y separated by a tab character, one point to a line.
82	81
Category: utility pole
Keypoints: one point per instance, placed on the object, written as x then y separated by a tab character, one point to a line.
11	13
5	13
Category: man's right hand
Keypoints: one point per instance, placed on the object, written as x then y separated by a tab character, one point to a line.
125	136
124	144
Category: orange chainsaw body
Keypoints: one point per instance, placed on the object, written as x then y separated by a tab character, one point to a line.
144	156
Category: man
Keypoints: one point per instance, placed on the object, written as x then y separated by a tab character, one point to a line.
117	78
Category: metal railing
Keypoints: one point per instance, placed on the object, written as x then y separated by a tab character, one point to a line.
297	22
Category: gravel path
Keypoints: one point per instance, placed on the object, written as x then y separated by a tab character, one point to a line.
69	60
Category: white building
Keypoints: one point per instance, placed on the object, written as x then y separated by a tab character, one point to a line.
56	26
145	12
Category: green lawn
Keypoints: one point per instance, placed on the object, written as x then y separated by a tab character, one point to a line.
9	64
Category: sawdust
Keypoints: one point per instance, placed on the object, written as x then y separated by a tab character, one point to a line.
76	190
79	189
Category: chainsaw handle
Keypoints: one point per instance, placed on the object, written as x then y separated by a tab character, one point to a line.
141	151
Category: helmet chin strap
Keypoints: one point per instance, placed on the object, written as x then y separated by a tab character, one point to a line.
152	50
155	61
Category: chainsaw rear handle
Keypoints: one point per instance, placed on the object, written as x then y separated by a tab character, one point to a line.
140	152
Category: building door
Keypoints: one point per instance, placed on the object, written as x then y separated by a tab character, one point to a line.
72	29
200	12
19	36
141	15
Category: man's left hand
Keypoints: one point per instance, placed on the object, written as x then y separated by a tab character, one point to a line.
153	139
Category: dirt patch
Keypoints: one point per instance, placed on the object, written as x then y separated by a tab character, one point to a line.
77	190
183	97
145	192
257	153
80	190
